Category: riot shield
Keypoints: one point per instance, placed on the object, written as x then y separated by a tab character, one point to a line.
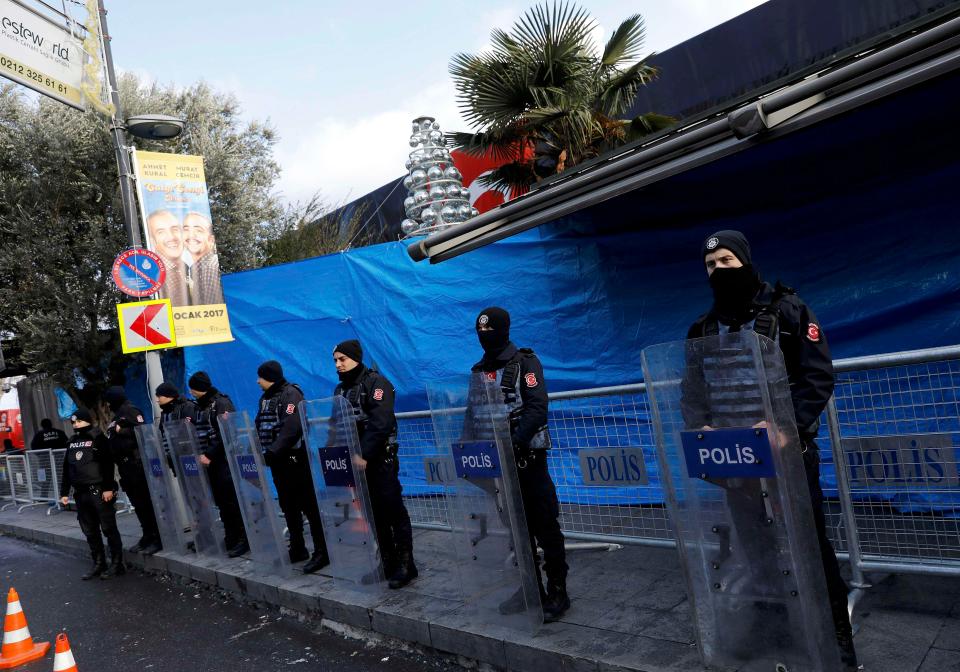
733	473
181	439
342	493
163	489
498	578
261	519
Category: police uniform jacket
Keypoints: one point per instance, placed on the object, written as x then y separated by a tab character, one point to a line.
177	410
805	353
211	406
49	439
278	419
525	393
121	436
372	397
87	462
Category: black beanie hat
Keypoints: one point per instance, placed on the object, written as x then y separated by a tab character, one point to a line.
734	241
271	371
167	390
115	395
200	382
351	349
496	318
83	415
46	423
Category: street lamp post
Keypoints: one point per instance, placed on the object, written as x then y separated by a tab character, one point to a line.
146	126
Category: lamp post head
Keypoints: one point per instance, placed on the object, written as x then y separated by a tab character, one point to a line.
155	126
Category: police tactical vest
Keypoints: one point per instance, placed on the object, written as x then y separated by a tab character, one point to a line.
206	431
268	419
356	394
80	460
509	381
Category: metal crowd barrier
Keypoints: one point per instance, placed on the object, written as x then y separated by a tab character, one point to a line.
6	492
892	509
20	483
43	477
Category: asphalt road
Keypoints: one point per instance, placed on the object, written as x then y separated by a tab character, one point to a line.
142	622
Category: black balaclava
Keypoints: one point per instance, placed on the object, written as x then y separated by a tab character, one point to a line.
115	396
733	288
493	342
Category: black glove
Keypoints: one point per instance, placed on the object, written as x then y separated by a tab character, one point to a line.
268	458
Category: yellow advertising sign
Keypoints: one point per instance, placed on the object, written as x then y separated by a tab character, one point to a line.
172	191
146	325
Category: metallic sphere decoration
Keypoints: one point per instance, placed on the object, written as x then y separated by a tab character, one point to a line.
436	197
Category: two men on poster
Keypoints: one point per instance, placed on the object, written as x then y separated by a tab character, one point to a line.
174	205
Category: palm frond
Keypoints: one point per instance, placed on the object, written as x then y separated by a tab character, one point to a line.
626	42
646	124
618	92
516	176
503	144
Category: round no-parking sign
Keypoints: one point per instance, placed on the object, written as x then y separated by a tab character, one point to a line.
139	272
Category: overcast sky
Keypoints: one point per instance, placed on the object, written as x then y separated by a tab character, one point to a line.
341	81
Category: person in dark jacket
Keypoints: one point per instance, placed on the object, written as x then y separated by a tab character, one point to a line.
285	452
520	376
742	300
372	397
126	455
211	405
49	437
88	469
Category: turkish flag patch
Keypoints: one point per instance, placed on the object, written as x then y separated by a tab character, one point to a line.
378	394
140	418
531	379
813	333
491	375
290	409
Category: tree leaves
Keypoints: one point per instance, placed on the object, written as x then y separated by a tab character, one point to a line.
61	221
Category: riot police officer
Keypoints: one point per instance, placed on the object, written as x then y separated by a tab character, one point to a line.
285	452
211	404
372	397
88	469
126	455
520	375
49	437
742	300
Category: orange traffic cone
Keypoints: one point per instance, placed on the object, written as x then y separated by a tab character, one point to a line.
63	658
18	647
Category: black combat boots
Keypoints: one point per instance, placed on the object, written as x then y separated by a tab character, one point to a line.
99	567
557	601
406	572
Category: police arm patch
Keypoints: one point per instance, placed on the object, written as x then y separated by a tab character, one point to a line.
813	333
378	394
290	409
531	380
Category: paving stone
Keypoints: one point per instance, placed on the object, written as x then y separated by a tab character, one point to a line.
891	641
407	615
941	660
949	636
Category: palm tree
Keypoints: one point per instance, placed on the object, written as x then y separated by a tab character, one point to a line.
544	90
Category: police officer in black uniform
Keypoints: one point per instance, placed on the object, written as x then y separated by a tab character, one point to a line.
520	375
173	406
49	437
88	469
212	404
285	452
372	397
743	301
126	455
